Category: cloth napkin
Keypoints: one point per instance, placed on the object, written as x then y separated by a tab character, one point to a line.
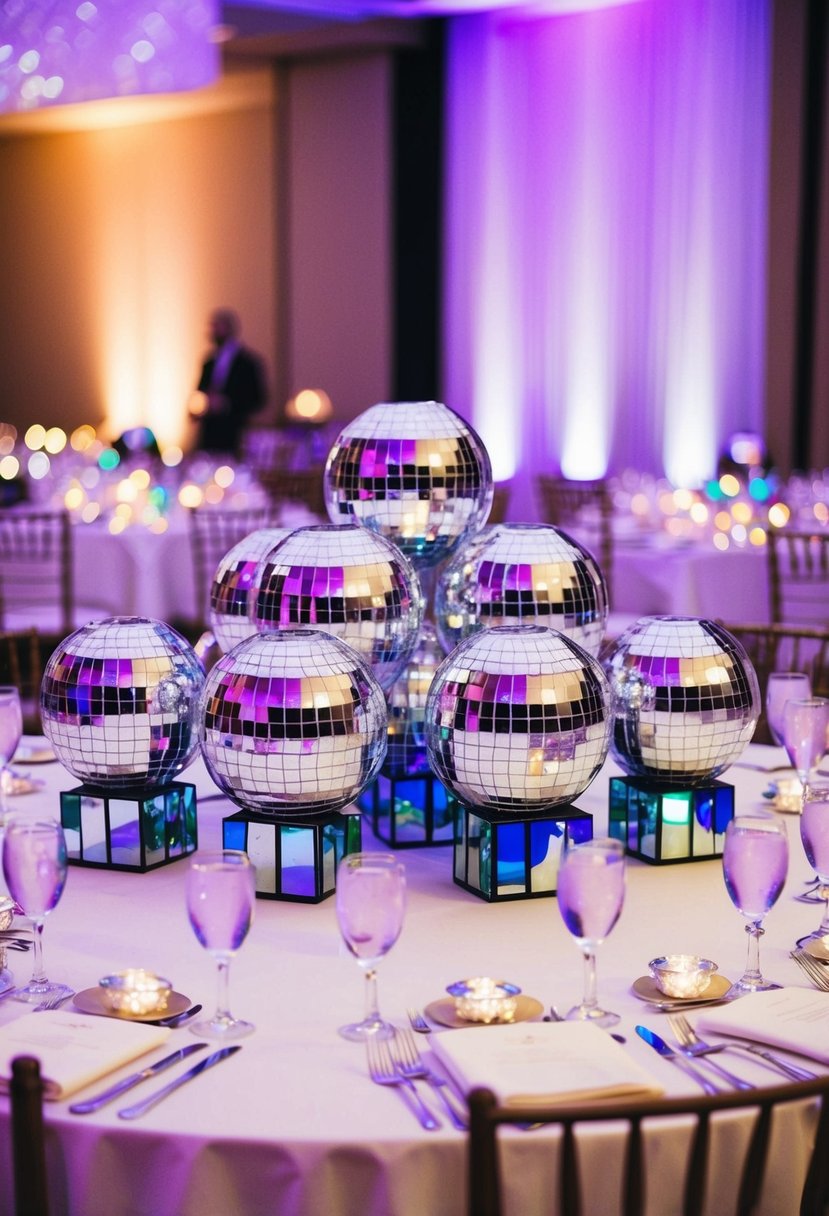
543	1063
74	1049
793	1018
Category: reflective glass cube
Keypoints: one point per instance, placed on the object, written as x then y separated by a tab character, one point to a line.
408	811
663	825
502	857
294	861
121	830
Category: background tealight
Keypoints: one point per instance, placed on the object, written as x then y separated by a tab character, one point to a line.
682	975
484	1000
135	992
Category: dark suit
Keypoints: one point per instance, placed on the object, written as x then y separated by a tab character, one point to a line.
244	390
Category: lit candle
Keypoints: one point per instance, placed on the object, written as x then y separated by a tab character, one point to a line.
682	975
484	1000
136	992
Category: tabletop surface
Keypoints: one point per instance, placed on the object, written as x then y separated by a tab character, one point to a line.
294	1110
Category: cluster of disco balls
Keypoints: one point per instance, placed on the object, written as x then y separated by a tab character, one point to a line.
328	660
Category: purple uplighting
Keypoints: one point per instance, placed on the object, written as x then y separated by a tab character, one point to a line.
606	234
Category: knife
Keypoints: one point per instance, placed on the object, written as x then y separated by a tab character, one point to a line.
659	1045
86	1108
132	1112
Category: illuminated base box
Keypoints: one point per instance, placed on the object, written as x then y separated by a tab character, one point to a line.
503	856
295	860
140	830
663	826
409	812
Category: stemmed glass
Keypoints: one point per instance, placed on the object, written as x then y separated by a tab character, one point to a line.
805	728
814	833
755	860
591	890
11	728
221	892
34	866
371	902
783	686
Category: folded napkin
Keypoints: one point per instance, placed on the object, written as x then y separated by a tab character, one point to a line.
74	1049
792	1018
543	1063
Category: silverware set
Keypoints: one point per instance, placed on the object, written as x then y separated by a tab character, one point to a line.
397	1063
691	1047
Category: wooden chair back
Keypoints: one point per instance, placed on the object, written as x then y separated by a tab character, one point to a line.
760	1105
28	1140
213	532
798	570
36	570
784	648
586	509
24	654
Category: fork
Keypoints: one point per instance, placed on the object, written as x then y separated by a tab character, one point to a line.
685	1032
53	1002
690	1045
410	1063
382	1072
418	1022
817	972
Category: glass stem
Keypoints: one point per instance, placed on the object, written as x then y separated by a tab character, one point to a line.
824	924
589	1000
222	1013
755	931
372	1014
38	974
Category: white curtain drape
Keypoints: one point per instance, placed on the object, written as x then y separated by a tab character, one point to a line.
606	234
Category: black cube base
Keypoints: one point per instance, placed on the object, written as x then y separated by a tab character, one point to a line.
504	856
410	811
295	860
140	830
664	825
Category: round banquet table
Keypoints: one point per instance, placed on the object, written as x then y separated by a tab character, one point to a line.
291	1125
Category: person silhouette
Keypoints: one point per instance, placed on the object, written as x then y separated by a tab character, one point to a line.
233	383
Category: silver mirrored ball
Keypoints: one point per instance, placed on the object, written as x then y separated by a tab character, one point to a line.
119	703
234	584
349	582
532	574
414	472
292	723
686	699
518	719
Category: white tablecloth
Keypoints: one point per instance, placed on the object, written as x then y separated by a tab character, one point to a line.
292	1125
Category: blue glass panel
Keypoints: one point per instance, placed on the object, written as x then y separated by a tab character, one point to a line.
298	873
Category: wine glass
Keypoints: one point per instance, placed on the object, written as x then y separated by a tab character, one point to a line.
34	866
783	686
221	891
371	902
591	890
755	860
11	728
814	833
805	729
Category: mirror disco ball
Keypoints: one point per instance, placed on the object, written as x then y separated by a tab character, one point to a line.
686	699
407	706
531	574
119	703
414	472
234	585
350	583
518	719
293	724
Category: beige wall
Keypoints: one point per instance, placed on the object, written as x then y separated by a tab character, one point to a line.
119	239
